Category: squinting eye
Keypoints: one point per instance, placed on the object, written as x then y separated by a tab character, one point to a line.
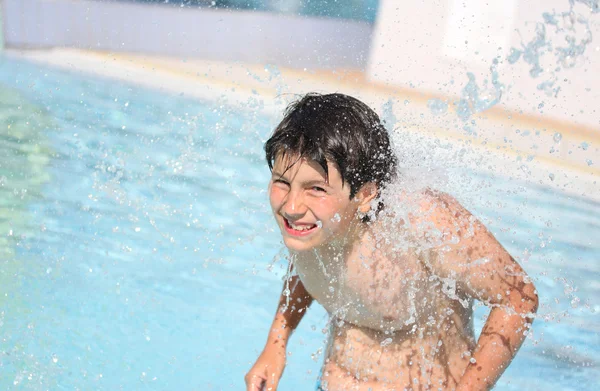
319	189
281	182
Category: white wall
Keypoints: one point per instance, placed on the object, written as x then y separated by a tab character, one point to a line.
253	37
431	44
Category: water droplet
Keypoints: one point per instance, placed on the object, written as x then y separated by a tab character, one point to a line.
336	218
585	146
319	224
551	176
575	302
514	55
437	106
386	342
557	137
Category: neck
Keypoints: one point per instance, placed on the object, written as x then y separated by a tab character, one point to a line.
340	248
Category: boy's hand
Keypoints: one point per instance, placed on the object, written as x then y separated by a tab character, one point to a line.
266	372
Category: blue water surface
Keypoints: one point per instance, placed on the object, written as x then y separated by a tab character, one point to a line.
139	253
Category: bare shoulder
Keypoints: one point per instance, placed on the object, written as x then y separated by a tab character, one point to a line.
441	218
439	223
442	206
464	249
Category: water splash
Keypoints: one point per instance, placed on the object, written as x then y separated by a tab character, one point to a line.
572	28
437	106
387	114
475	99
568	27
287	289
594	5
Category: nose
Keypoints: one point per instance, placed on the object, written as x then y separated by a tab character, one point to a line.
293	206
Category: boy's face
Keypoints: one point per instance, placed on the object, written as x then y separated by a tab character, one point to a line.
310	210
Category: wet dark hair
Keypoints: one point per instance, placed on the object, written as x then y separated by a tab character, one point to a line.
340	129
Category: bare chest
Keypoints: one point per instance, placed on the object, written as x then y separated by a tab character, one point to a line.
372	289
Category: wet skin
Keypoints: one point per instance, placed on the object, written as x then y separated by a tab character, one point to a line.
400	291
391	328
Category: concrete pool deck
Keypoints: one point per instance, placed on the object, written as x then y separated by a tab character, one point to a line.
538	150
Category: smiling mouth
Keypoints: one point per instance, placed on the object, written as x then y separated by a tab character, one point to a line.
299	230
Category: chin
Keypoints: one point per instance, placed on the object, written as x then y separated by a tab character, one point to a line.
300	244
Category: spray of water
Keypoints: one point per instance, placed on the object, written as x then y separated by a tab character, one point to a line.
563	35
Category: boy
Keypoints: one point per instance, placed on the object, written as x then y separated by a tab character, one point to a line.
397	271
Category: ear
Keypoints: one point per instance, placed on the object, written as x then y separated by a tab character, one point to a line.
365	195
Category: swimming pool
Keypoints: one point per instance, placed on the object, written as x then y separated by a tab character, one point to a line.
139	252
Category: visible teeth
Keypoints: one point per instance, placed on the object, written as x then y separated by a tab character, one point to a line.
301	227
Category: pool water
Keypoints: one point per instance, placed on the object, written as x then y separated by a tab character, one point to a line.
138	250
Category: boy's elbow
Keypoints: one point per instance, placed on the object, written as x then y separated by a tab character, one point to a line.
524	301
529	300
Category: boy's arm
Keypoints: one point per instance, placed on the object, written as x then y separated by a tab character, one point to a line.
288	316
267	370
469	254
